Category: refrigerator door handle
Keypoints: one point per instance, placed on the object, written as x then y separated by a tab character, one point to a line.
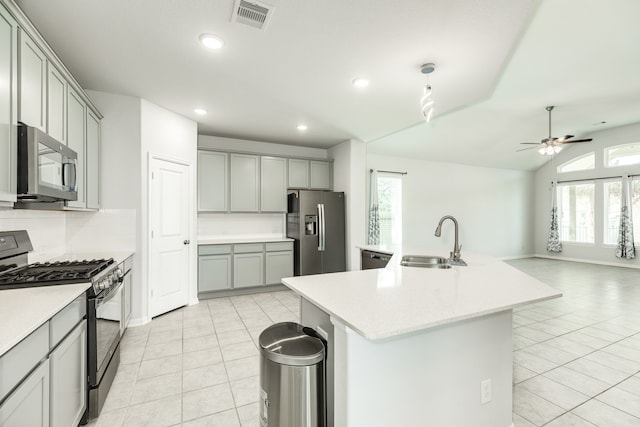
321	227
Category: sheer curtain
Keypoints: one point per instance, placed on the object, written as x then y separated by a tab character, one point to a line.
374	215
554	245
626	248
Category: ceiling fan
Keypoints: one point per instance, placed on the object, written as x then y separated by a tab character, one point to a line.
551	145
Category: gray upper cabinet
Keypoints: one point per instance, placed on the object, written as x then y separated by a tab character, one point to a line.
93	161
320	175
212	181
56	104
298	173
76	116
32	84
245	181
273	184
315	174
8	105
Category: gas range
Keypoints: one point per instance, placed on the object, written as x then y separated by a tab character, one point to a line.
16	273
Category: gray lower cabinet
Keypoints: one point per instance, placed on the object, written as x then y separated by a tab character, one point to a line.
69	378
43	378
28	405
243	265
248	269
278	262
214	272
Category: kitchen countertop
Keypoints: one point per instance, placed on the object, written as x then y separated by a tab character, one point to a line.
388	302
22	311
231	240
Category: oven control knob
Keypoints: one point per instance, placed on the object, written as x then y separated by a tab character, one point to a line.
102	284
119	273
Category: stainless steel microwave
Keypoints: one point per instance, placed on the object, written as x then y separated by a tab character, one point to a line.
46	167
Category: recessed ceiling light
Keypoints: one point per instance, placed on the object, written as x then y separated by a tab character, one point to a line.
211	41
360	82
302	127
200	111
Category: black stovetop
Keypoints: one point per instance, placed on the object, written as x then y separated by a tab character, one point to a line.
54	273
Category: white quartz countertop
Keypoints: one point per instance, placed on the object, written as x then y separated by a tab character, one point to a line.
385	303
217	240
22	311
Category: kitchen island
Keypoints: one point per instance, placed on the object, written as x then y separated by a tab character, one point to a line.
416	346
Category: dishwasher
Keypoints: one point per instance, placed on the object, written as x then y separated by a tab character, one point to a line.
370	259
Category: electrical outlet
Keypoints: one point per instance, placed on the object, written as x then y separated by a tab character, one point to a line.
485	391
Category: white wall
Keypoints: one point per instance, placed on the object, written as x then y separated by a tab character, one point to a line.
349	176
266	148
494	207
596	252
132	130
167	135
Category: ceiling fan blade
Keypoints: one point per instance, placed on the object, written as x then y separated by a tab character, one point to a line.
525	149
564	138
577	140
530	143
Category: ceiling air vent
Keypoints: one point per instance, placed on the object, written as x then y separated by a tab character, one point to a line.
252	13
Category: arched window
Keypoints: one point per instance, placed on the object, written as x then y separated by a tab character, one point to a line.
584	162
621	155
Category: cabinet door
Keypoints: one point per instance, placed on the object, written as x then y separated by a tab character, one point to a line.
28	405
248	270
127	294
244	182
8	105
273	184
92	172
56	104
69	378
278	265
32	84
212	181
76	115
298	173
320	175
214	272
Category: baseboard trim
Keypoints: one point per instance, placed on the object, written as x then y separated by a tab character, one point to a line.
587	261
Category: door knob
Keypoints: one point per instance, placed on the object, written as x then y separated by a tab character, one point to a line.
186	242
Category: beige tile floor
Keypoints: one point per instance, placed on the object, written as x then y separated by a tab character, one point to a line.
576	359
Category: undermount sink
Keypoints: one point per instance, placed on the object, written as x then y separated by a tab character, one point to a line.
424	261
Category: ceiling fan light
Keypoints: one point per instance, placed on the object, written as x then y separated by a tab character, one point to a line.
557	149
542	150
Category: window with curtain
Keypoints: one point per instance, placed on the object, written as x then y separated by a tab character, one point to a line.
576	212
390	208
612	195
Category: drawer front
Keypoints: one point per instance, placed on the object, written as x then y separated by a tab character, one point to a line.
63	322
214	249
21	359
279	246
248	247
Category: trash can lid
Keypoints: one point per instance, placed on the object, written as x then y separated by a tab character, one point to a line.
288	343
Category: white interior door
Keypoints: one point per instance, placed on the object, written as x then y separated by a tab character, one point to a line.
169	251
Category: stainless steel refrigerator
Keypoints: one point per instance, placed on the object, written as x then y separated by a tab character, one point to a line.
315	219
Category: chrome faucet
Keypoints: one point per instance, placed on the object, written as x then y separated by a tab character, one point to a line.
454	257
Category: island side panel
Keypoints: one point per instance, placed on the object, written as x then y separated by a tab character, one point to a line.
428	378
315	318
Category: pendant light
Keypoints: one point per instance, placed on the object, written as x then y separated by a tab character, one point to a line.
427	102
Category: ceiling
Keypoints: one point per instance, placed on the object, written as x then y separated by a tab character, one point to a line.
499	63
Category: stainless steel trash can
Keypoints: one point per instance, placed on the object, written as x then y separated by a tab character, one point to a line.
292	377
